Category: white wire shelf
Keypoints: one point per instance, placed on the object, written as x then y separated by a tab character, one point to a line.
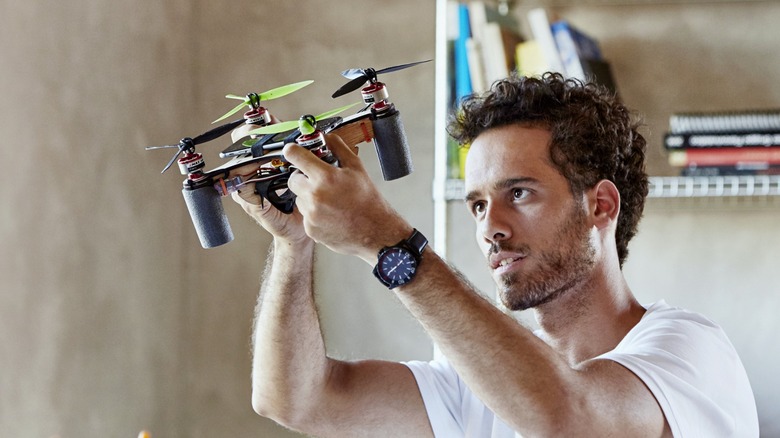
719	186
682	187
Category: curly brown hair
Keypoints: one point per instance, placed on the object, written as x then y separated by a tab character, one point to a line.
593	135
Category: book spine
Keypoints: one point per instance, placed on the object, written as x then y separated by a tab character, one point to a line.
575	48
600	72
724	157
736	170
493	54
587	46
530	61
567	48
719	122
542	33
462	74
721	140
476	65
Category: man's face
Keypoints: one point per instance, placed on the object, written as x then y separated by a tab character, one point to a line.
535	234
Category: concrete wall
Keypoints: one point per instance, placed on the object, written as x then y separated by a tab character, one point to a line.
113	319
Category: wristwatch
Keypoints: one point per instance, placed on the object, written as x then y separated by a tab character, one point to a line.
397	264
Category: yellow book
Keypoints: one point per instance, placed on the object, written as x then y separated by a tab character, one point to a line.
530	59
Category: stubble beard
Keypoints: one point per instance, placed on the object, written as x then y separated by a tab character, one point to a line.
560	268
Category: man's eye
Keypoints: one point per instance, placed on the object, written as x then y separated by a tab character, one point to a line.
478	208
518	194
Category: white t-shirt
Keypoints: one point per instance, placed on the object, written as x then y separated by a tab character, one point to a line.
684	358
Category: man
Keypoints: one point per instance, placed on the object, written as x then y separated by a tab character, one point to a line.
556	183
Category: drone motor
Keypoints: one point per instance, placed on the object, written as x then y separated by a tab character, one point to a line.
374	93
191	163
257	116
311	141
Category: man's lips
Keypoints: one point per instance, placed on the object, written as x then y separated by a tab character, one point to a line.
503	259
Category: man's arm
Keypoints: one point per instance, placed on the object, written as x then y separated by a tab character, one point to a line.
293	381
297	385
519	377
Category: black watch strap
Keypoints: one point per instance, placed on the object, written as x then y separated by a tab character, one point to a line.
416	242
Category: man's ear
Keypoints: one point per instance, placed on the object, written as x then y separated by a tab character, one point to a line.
607	203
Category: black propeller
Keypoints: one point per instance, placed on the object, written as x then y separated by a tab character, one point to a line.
189	143
360	76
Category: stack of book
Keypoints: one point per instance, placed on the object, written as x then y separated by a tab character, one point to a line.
481	45
558	45
745	142
485	44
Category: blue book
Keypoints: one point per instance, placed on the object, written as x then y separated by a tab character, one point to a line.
462	76
576	49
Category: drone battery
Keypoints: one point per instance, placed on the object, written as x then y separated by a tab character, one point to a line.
208	216
391	146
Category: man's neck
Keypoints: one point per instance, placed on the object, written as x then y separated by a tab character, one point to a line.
590	319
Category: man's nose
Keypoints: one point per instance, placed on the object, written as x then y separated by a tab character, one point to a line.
495	225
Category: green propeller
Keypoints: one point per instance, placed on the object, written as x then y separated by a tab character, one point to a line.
253	100
307	123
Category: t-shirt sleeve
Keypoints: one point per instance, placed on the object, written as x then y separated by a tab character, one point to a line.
440	388
694	373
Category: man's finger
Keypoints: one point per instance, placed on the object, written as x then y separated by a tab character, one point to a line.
346	155
252	204
304	160
247	195
297	182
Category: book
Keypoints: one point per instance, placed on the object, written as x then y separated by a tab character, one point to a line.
476	65
539	23
735	170
454	57
738	121
600	72
498	49
529	59
451	36
462	74
495	37
724	156
581	55
575	48
481	13
721	140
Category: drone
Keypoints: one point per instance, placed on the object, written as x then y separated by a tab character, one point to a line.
256	158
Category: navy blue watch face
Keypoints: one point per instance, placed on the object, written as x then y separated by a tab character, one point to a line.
397	266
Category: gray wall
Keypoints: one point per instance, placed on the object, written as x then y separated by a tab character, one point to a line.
113	319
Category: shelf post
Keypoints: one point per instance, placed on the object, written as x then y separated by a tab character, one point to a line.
440	135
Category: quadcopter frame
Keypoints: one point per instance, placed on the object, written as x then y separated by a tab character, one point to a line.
203	190
257	159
